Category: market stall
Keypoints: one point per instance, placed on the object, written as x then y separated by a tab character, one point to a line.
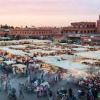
90	54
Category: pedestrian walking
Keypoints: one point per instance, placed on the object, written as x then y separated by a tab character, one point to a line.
50	95
21	92
38	95
73	97
70	92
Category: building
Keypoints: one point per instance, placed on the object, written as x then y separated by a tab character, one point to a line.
73	32
1	32
33	31
80	28
83	32
90	40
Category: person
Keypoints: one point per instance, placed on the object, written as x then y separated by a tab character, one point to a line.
14	72
57	95
87	95
95	93
98	95
12	94
70	92
73	97
62	90
38	96
0	84
21	92
68	80
4	85
50	95
29	78
91	94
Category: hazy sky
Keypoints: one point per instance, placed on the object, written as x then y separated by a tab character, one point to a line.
48	12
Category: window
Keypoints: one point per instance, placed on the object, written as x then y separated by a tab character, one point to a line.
88	31
84	31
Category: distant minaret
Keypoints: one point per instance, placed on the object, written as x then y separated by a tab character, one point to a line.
98	25
99	17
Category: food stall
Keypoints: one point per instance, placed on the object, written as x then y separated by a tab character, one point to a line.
20	67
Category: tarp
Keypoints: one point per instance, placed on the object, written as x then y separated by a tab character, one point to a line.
9	62
90	61
65	64
79	49
20	65
89	54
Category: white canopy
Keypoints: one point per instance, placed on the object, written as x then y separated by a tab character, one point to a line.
56	61
20	65
79	49
1	59
9	62
59	48
15	52
41	41
49	58
44	51
54	58
68	65
35	50
17	46
90	61
90	54
67	57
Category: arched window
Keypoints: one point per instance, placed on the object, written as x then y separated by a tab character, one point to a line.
93	25
88	31
87	26
84	31
81	31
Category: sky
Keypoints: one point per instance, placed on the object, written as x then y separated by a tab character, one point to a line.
48	12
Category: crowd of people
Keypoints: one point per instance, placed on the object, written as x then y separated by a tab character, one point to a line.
40	82
5	83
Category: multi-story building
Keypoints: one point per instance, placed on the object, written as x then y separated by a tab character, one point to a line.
33	31
82	31
80	28
74	32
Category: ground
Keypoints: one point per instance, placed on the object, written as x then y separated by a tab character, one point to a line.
15	81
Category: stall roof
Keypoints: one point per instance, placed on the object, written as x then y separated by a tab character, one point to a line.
20	65
90	61
35	50
15	52
36	40
17	46
49	58
59	48
90	54
9	62
42	51
1	58
67	57
54	58
68	65
79	49
57	61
